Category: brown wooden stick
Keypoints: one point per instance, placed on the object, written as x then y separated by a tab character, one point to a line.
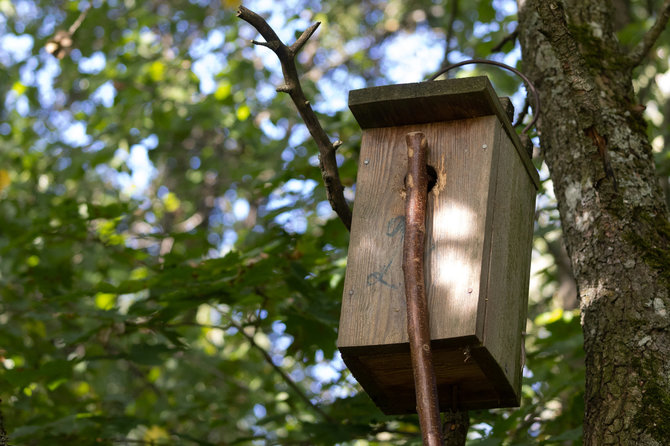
418	328
286	55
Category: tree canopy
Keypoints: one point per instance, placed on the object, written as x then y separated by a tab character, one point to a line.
171	268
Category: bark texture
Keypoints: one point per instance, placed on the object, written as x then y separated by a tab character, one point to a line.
455	427
613	213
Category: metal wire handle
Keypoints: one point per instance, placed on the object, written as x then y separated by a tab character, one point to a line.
529	84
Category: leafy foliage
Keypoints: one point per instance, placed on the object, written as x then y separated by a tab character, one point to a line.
171	272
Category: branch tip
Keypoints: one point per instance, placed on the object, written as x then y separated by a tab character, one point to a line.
286	55
304	37
265	44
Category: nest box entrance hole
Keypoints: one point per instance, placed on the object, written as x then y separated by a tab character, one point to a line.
432	177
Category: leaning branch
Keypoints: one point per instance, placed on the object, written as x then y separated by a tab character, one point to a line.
450	32
77	23
508	38
647	43
287	379
286	55
61	43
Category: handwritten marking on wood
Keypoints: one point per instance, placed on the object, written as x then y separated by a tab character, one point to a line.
378	277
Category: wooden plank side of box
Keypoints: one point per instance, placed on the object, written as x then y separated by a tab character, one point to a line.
462	155
509	271
373	309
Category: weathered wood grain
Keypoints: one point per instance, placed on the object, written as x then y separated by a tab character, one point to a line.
511	229
375	308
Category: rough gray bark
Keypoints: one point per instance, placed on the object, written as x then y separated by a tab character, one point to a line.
613	214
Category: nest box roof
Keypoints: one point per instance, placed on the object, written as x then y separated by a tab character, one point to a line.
433	101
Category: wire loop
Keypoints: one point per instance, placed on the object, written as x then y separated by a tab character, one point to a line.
529	84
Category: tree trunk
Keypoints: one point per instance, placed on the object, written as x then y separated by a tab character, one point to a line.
613	214
3	433
455	427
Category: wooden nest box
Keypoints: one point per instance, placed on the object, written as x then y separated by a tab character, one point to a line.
479	228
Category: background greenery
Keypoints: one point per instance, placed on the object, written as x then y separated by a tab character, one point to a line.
171	272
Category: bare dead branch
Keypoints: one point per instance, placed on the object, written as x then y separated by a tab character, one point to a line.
287	379
649	40
259	23
286	55
304	37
